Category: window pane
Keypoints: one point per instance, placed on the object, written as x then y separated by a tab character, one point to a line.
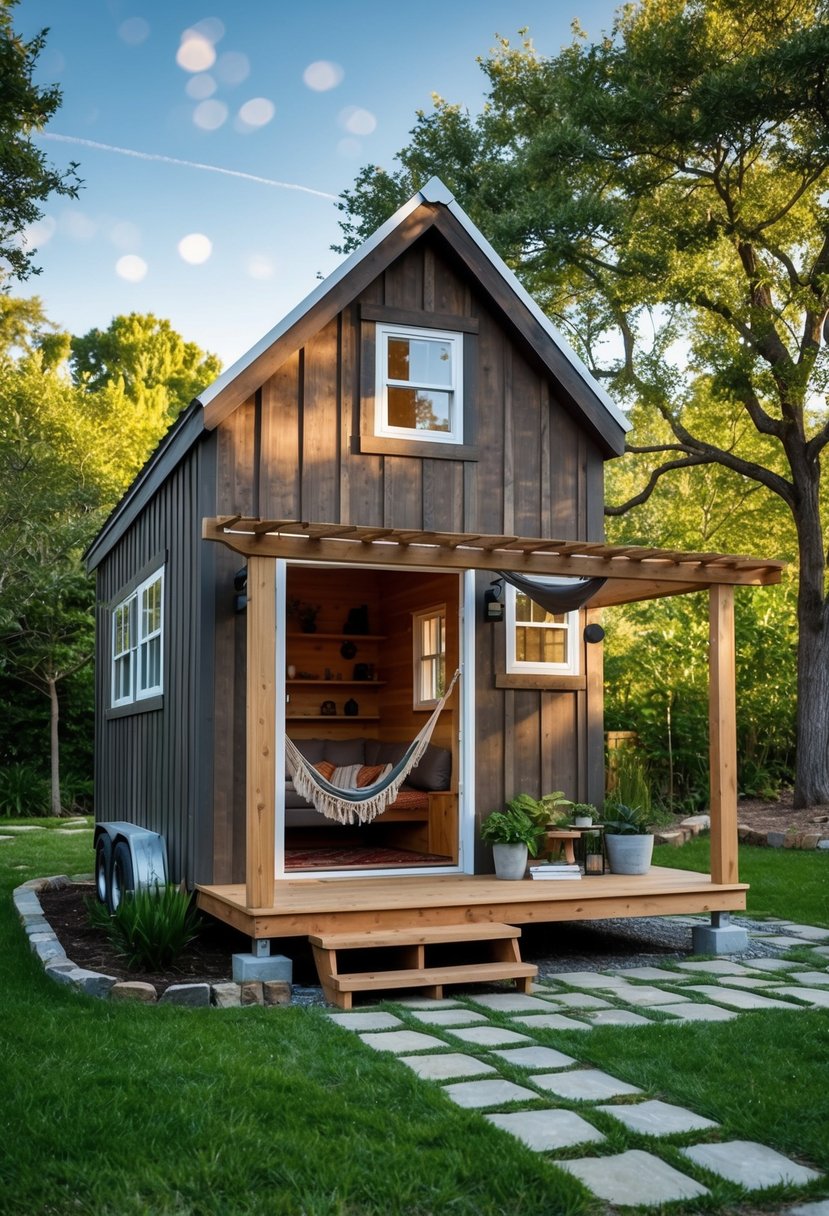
399	359
151	608
430	362
523	607
419	409
534	645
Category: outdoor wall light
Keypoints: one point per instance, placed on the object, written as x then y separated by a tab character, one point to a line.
493	603
240	586
593	633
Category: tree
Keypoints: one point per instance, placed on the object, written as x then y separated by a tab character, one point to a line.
662	192
143	355
26	178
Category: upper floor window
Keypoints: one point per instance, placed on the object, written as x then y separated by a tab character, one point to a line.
419	384
429	657
539	642
137	643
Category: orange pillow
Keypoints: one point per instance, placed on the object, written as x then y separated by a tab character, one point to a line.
325	769
370	773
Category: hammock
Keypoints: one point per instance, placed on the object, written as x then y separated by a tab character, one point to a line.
555	597
360	805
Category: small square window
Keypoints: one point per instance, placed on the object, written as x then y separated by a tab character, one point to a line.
539	642
429	657
419	390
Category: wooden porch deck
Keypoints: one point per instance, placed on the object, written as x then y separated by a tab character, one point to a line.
326	905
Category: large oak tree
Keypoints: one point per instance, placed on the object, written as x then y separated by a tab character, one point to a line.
663	193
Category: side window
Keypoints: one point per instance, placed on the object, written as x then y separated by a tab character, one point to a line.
428	657
419	388
137	643
539	642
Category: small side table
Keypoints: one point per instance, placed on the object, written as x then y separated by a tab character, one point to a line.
561	840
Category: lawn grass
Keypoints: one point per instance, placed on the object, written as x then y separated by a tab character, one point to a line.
789	883
118	1110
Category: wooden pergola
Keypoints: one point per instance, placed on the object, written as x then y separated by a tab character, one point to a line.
631	574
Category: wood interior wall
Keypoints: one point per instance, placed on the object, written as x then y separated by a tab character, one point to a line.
293	452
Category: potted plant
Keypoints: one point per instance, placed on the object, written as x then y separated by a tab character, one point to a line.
628	838
305	613
513	835
583	814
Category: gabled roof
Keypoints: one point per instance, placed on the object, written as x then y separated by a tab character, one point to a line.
432	206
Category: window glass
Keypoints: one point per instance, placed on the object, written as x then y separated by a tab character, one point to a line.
539	642
419	390
429	635
137	629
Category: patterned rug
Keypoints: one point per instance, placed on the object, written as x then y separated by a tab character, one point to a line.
362	859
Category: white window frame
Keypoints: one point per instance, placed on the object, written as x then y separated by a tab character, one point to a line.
570	626
437	660
135	689
382	426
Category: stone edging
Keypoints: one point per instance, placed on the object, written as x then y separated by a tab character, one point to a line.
818	838
45	944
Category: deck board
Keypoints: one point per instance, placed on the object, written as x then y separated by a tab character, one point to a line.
306	906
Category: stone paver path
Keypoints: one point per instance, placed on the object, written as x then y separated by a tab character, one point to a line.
546	1098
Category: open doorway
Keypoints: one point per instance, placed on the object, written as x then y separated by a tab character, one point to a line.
368	652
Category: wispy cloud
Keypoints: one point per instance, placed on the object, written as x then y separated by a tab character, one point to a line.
187	164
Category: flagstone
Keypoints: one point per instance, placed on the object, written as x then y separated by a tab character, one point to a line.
774	964
820	1208
552	1021
475	1094
489	1036
632	1179
446	1066
751	1165
581	1000
784	941
535	1057
811	932
644	994
588	979
652	973
655	1118
749	981
823	951
584	1085
716	966
818	997
365	1020
738	1000
509	1002
16	830
697	1011
545	1130
811	977
448	1017
617	1017
400	1041
426	1002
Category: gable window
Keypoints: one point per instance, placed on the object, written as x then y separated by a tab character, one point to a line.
419	391
539	642
137	643
429	657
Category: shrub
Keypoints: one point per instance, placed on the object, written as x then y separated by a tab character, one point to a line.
24	792
151	928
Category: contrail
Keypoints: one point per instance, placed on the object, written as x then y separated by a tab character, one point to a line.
188	164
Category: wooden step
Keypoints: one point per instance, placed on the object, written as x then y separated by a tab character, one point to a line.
465	973
414	970
426	935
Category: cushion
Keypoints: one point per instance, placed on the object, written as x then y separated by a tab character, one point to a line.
369	773
344	751
312	749
378	751
325	769
434	772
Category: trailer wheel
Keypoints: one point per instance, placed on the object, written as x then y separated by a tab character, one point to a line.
121	882
103	868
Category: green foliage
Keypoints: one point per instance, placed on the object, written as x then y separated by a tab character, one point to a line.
631	783
23	791
622	820
511	826
28	179
151	927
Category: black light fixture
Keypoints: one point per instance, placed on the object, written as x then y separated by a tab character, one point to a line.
493	602
593	633
240	586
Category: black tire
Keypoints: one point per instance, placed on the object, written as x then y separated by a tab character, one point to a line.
103	868
122	882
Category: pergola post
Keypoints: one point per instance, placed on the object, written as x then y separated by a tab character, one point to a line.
260	781
722	725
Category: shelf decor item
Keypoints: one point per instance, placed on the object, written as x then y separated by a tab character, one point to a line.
328	709
357	620
351	708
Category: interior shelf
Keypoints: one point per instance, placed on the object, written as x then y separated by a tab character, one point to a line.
338	683
338	637
332	717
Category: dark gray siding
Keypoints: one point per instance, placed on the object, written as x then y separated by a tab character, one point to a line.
155	767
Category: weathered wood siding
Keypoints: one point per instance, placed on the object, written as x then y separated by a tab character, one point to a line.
293	451
154	767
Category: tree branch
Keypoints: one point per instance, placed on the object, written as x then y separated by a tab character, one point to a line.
656	474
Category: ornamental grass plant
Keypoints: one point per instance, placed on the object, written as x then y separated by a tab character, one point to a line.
151	927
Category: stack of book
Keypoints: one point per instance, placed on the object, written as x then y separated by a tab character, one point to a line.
555	870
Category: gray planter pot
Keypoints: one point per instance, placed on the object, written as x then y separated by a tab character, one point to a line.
629	854
510	860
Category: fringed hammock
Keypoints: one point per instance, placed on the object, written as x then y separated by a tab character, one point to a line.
361	805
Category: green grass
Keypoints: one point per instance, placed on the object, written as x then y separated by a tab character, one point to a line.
118	1110
789	883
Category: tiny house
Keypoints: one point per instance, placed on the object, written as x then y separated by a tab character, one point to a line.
322	540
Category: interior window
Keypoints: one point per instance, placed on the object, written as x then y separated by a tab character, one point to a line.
429	637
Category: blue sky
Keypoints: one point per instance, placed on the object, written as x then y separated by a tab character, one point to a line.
298	94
